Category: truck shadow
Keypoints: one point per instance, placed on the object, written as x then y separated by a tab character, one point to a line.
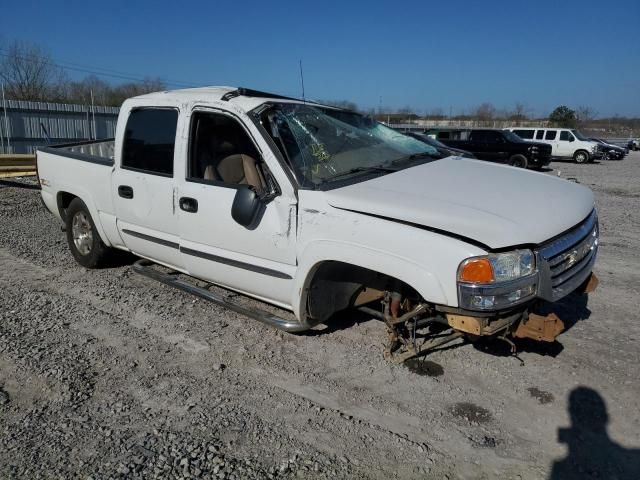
119	258
591	452
341	320
16	184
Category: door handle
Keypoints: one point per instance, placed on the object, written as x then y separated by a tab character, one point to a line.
189	204
125	191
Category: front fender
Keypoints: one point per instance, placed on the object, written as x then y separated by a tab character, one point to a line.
426	283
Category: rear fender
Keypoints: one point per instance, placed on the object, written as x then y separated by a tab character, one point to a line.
93	211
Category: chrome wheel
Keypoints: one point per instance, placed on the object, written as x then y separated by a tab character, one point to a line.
82	233
581	157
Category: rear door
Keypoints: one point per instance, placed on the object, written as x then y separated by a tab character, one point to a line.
551	137
488	144
224	154
143	185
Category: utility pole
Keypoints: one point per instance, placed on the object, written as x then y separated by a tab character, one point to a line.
6	122
93	114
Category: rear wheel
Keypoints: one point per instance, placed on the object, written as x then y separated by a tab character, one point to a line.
581	156
84	241
519	161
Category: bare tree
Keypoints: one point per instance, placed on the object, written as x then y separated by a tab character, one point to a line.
120	93
81	92
519	113
29	73
436	114
484	113
585	114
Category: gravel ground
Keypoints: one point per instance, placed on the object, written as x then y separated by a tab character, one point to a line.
107	374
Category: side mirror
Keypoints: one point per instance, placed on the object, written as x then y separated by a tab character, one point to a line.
247	206
571	139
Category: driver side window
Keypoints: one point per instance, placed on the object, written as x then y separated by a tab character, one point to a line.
566	136
222	153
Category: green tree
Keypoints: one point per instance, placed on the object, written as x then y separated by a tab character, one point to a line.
563	116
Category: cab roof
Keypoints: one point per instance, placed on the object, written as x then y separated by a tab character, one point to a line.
244	98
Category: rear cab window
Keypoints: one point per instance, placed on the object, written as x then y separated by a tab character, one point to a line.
149	141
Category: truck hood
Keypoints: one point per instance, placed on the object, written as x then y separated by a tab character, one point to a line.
498	206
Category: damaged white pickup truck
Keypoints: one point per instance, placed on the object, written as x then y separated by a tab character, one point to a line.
317	210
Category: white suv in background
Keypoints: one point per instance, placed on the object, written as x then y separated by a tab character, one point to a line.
565	143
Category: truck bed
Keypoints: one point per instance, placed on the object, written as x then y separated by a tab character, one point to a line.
96	151
80	170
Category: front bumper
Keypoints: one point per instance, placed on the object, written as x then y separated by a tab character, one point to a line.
564	265
528	321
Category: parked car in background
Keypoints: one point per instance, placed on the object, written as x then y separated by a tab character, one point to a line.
610	151
566	144
634	144
423	137
495	145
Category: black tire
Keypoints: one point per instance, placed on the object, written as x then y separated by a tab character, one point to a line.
84	240
581	156
519	161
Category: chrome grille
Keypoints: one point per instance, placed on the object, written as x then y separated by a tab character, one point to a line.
566	262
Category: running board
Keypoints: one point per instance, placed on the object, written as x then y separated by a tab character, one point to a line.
145	267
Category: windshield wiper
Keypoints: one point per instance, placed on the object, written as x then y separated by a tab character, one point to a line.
378	168
414	156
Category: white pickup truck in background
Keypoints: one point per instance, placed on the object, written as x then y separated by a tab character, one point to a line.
317	210
566	143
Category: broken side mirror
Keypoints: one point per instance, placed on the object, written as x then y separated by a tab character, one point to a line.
247	206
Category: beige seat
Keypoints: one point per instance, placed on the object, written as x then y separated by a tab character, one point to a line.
240	169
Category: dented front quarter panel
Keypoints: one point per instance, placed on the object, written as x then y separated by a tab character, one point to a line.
425	260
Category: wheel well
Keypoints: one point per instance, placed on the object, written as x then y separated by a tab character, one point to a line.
334	286
64	199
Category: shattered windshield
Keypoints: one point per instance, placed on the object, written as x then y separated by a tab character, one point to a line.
322	147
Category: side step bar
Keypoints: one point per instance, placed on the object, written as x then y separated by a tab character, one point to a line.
145	267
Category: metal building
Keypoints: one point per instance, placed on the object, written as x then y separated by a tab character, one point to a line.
24	126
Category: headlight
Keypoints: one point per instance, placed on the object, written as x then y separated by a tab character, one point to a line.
497	280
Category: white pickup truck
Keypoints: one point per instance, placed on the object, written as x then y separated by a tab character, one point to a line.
316	210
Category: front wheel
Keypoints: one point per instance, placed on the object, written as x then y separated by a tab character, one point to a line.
84	240
519	161
581	156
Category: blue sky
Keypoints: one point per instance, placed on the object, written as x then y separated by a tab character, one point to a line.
417	53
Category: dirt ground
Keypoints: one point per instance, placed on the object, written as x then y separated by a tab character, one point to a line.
107	374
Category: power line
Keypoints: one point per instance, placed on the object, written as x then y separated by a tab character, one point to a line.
98	71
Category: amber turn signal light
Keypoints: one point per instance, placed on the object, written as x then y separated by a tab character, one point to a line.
476	270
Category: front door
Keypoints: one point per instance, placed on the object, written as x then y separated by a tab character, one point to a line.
565	144
144	186
259	260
